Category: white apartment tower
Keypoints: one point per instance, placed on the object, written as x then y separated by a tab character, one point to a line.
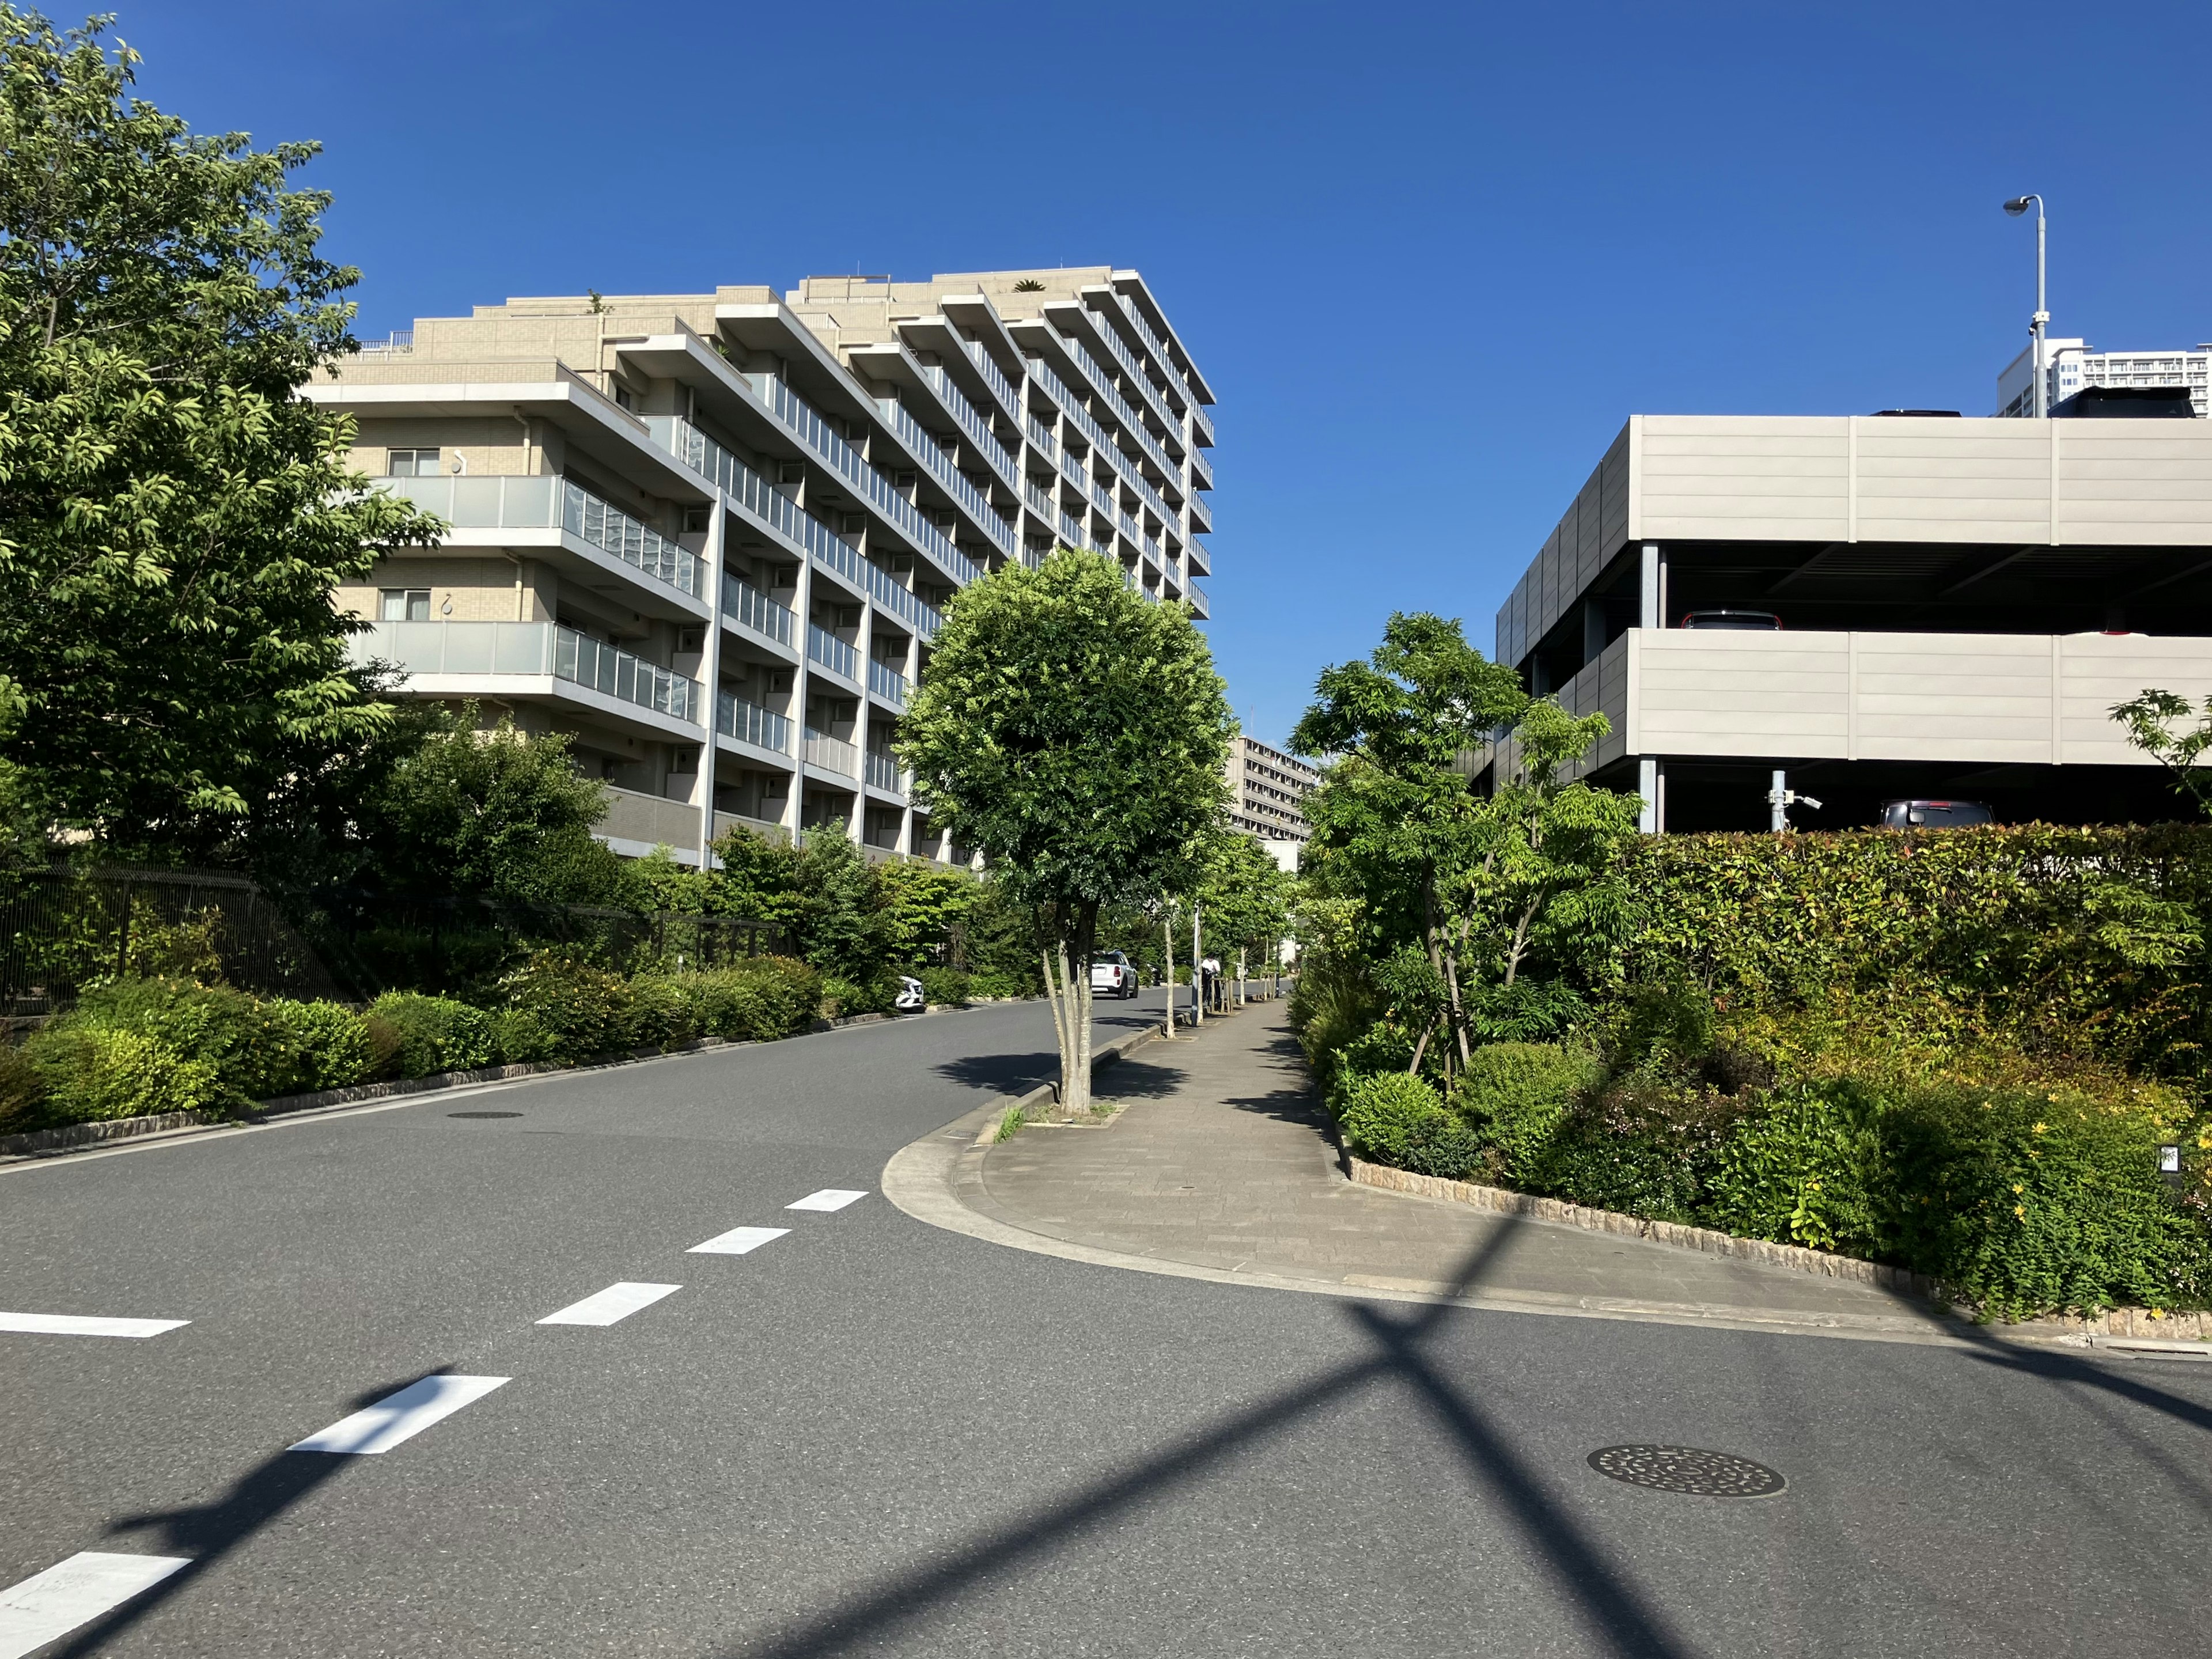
1268	790
709	536
2070	367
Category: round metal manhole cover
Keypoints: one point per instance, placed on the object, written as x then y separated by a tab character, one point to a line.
483	1114
1686	1469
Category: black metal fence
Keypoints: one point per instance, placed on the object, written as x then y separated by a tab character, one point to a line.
61	928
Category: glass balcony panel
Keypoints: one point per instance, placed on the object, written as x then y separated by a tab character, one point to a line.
468	646
747	721
832	754
888	683
749	607
519	648
833	653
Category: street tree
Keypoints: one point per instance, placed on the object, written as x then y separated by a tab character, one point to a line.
1074	733
174	516
1244	900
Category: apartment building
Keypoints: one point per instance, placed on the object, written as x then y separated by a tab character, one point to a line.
2069	367
1955	604
1268	789
711	536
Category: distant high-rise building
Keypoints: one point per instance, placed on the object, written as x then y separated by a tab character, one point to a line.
1269	789
2069	366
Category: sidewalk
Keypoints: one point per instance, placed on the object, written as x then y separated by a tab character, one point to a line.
1218	1167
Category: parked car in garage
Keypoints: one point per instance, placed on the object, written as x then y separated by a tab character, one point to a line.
1934	814
1748	622
1113	974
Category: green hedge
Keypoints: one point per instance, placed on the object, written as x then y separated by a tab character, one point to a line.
140	1046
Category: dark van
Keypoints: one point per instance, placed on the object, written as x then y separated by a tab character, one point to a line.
1934	814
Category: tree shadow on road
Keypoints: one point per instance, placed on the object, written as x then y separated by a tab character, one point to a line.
211	1531
1615	1610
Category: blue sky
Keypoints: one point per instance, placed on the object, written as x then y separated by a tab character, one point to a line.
1430	257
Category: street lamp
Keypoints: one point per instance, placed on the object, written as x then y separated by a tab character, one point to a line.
2015	207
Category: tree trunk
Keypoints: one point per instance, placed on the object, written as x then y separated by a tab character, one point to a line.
1197	973
1085	939
1240	976
1056	989
1166	973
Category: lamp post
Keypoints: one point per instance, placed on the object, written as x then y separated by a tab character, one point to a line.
2015	207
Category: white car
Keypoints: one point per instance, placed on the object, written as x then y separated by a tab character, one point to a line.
909	999
1113	974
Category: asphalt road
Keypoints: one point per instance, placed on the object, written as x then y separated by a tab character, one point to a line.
867	1436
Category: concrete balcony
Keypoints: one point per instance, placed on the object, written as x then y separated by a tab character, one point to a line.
884	775
745	607
834	755
887	684
542	660
833	656
749	726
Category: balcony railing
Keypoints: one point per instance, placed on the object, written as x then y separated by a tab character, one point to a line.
749	607
1201	515
1198	599
888	683
824	546
493	502
1160	352
996	376
1201	470
833	653
1085	422
1200	422
972	422
942	467
1103	498
1071	469
810	428
747	722
1070	531
531	649
1040	503
1135	371
883	773
1114	401
1039	436
832	754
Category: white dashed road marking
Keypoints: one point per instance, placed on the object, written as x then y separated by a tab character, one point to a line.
51	1604
829	1198
85	1325
738	1241
614	1303
400	1416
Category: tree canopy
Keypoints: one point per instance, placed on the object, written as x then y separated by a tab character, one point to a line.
174	516
1074	733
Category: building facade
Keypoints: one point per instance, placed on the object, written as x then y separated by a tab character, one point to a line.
2070	367
1268	789
1961	601
710	535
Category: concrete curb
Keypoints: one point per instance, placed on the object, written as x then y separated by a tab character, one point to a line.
78	1137
1049	1093
2179	1330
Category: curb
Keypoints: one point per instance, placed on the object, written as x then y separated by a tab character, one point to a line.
1050	1092
76	1137
2135	1327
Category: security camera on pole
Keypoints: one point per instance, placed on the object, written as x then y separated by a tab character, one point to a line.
2040	324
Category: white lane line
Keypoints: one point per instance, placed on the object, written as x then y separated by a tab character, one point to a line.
49	1605
87	1325
829	1198
738	1241
614	1303
400	1416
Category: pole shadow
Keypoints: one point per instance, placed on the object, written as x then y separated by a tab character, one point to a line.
1602	1590
210	1532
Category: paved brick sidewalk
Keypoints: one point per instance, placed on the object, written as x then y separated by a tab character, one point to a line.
1218	1161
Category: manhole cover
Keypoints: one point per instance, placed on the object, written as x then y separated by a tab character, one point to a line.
1686	1469
483	1114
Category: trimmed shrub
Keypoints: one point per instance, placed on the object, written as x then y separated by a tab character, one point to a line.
335	1051
1381	1113
664	1011
248	1047
944	987
23	1092
843	997
579	1012
993	985
1515	1095
757	1001
1646	1145
1443	1145
93	1071
430	1034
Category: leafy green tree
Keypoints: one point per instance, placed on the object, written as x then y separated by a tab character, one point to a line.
1074	733
1244	900
2151	720
925	906
174	516
843	922
501	813
758	879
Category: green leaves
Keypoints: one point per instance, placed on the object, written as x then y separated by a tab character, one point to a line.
1073	732
174	519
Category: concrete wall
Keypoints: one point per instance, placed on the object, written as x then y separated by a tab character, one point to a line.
1869	478
2024	699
